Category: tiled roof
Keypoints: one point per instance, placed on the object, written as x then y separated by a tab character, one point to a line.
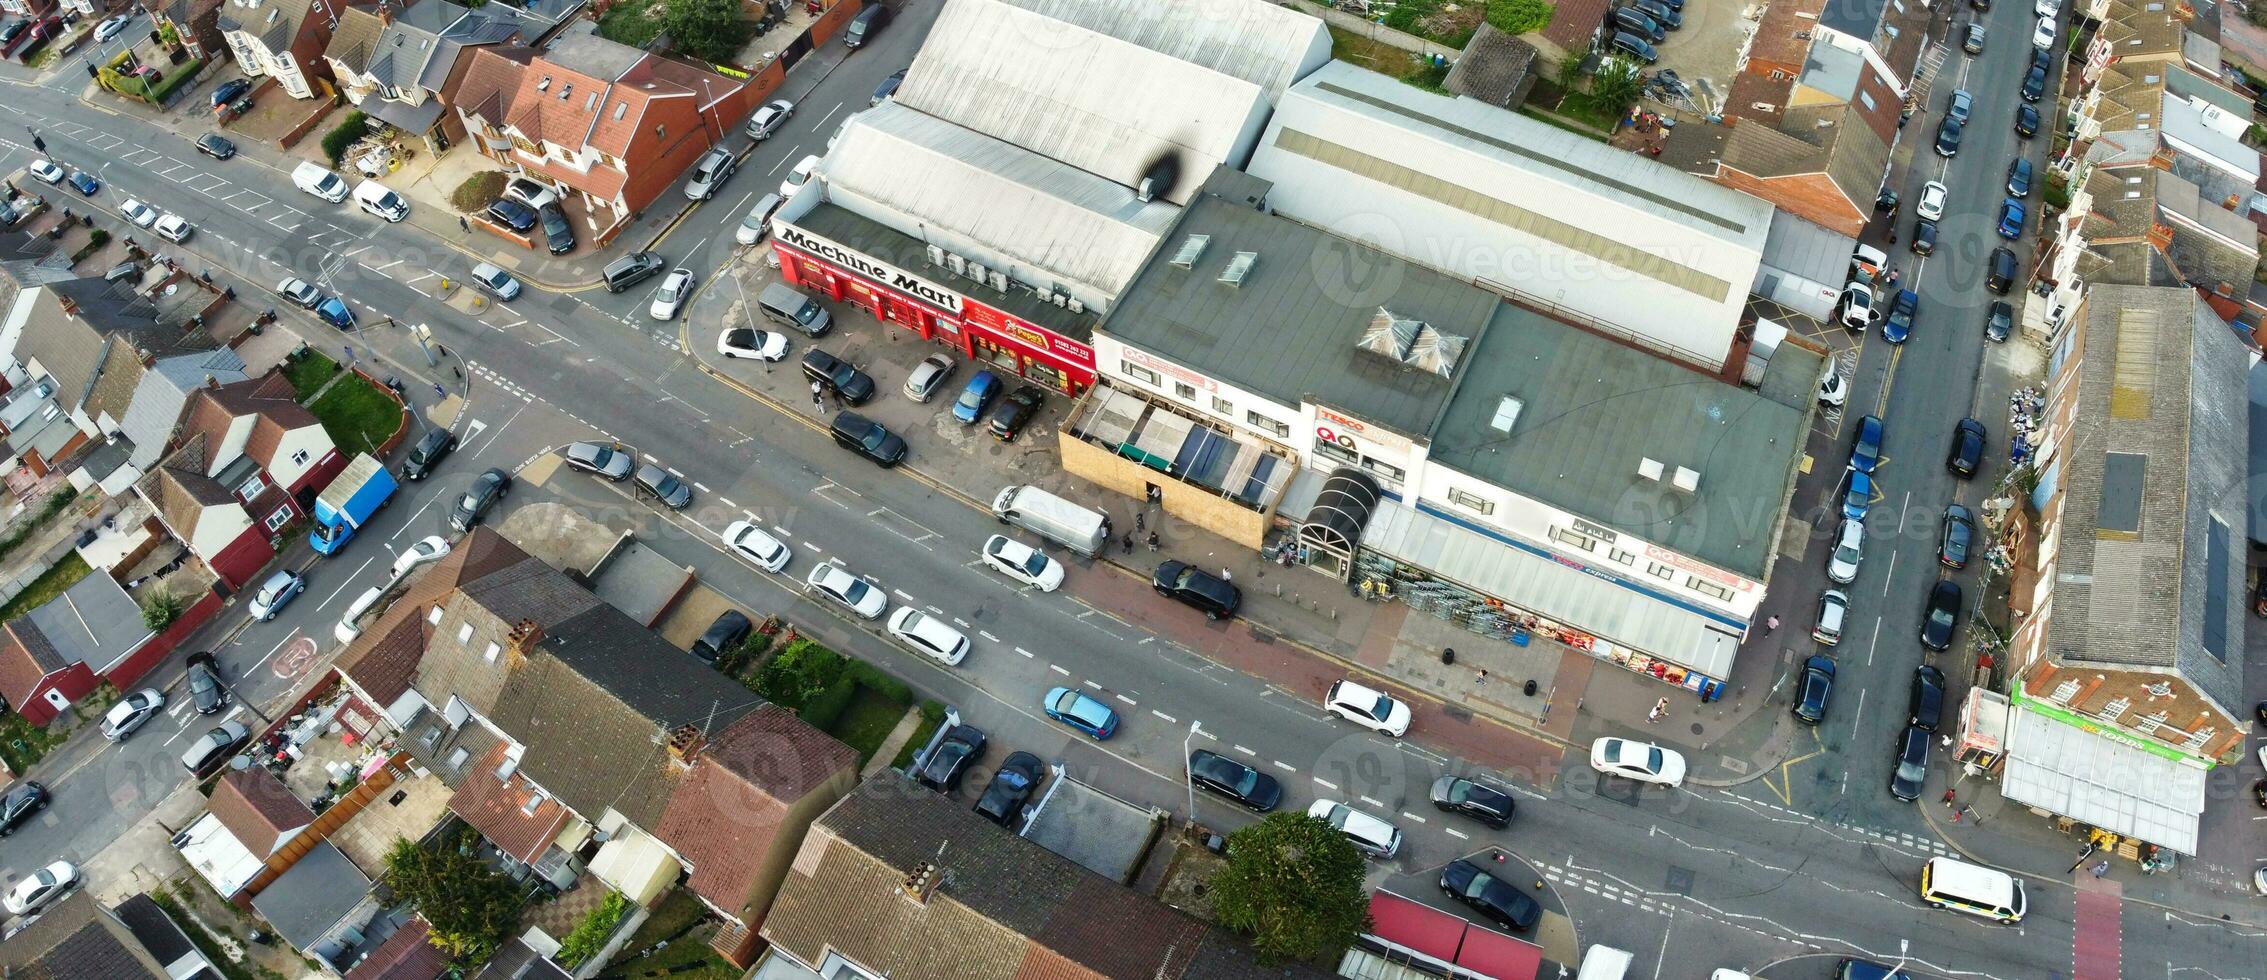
724	816
270	399
1574	22
491	82
258	808
1495	68
403	956
181	491
114	386
26	658
620	116
76	940
353	39
383	660
492	606
510	812
555	104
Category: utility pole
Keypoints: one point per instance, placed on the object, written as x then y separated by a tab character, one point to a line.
1188	766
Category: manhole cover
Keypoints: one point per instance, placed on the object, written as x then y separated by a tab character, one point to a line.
1679	880
1696	728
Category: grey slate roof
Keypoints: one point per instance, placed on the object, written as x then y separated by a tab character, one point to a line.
1289	331
77	940
1592	409
158	400
399	55
2184	408
274	22
159	935
313	896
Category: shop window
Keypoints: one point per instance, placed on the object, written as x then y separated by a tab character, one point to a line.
1622	556
1337	453
1223	406
1660	571
1141	374
1262	422
1574	539
1386	471
1184	391
1707	588
1471	502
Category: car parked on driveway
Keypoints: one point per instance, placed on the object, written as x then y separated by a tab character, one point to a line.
1816	689
1940	616
848	591
529	192
558	232
1494	899
723	635
1456	794
944	767
1248	787
1191	586
512	214
1011	788
205	689
229	90
1091	717
275	593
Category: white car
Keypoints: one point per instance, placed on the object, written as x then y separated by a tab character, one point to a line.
1857	305
669	300
1849	548
530	192
41	888
758	222
1931	204
1369	834
2043	35
131	713
928	635
799	176
348	626
1641	761
1022	563
2047	8
751	343
429	549
767	120
46	170
142	215
854	593
1832	390
111	28
754	544
1367	707
173	228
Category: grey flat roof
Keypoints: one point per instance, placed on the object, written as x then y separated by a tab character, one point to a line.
1592	409
313	896
93	622
1857	18
641	582
1289	331
1101	832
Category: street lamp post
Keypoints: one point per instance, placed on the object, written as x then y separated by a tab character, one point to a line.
1188	765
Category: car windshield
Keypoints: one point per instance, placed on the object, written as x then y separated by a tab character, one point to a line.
1035	565
1912	770
1478	886
1247	780
1012	779
873	438
1653	758
1382	708
972	397
1940	617
200	681
1846	553
470	501
856	590
269	593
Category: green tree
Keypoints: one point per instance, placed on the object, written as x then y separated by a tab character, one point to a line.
1520	16
470	906
710	30
1616	85
1294	885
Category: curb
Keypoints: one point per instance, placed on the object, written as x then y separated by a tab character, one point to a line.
1974	858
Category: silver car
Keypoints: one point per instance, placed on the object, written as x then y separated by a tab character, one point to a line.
709	174
300	292
493	280
131	713
606	461
767	120
669	300
928	376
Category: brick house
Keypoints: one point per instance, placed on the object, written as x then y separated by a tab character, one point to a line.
282	39
259	810
250	459
196	22
393	60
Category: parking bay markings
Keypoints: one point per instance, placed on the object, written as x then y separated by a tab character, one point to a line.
1285	766
1057	668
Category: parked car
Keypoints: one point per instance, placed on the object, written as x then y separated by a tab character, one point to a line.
1849	549
976	397
205	689
46	170
869	22
631	269
1865	448
1973	42
2010	219
20	803
1816	689
1248	787
2000	271
275	593
300	293
1924	237
1833	612
668	301
1367	707
1931	203
1011	788
2043	35
590	457
723	635
1948	137
42	888
428	549
512	214
663	486
709	174
216	146
757	224
1998	322
867	438
1955	537
928	635
1898	328
174	228
855	386
928	376
84	183
558	232
2019	178
141	215
1635	22
229	90
1662	13
487	489
1833	389
946	764
1924	703
1369	834
752	344
529	192
848	591
1216	597
1456	794
1015	411
1089	716
1493	899
887	88
431	448
2035	84
1910	767
757	545
1941	615
1624	42
1967	452
1857	494
212	750
334	311
1855	308
1960	106
1022	562
769	118
130	713
2026	121
1641	761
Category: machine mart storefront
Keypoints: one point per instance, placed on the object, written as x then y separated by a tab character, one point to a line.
981	331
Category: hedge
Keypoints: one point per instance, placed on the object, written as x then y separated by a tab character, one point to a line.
805	664
342	136
178	78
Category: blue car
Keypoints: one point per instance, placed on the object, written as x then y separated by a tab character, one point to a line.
1858	497
975	398
1081	712
1867	450
1900	323
334	312
2011	219
83	182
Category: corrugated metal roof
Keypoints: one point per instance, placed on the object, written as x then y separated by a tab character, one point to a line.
972	194
2099	780
1104	105
1262	43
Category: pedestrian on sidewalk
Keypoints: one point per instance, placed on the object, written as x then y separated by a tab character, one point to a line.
1483	676
1660	709
439	391
1226	576
1153	541
463	225
1948	799
1141	519
1127	541
1770	625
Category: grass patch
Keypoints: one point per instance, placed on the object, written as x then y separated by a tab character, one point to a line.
48	585
178	78
633	23
679	911
849	699
359	415
309	372
22	745
478	191
1582	107
1385	59
683	960
868	720
932	716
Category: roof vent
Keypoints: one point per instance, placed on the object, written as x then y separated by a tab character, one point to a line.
998	281
544	85
1147	191
1688	480
1074	304
1507	414
1191	249
1412	342
1239	268
1649	468
977	271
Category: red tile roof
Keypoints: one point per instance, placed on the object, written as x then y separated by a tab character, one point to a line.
490	82
1574	23
555	105
383	660
258	808
26	658
498	808
724	816
268	399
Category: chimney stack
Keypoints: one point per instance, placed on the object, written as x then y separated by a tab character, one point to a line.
212	382
385	12
524	637
920	883
685	744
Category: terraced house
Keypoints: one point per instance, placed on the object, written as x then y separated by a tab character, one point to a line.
395	60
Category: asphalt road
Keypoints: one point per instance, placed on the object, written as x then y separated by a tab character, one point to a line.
1690	879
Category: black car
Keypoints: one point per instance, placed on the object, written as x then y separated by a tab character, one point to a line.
558	233
434	446
14	30
1454	794
2019	178
1636	22
1958	533
2035	84
1491	897
512	214
205	688
1924	707
1912	765
1941	615
23	800
1249	787
834	372
888	87
1011	787
867	438
2042	58
863	27
1015	411
1998	322
2026	121
1948	137
730	628
1967	452
486	490
1816	690
1924	237
949	761
1999	274
1661	13
228	91
1216	597
216	146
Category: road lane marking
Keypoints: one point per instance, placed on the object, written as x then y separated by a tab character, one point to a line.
1458	834
1057	668
1170	720
1245	751
349	580
1285	766
1326	784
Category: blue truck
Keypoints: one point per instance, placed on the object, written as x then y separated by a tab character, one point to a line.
353	497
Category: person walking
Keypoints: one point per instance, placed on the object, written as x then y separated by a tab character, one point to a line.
439	391
1226	576
1127	542
1660	710
1948	799
1141	519
2101	869
1153	541
1770	625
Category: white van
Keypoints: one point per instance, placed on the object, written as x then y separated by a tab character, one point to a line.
1603	963
1979	891
375	198
1078	528
314	179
